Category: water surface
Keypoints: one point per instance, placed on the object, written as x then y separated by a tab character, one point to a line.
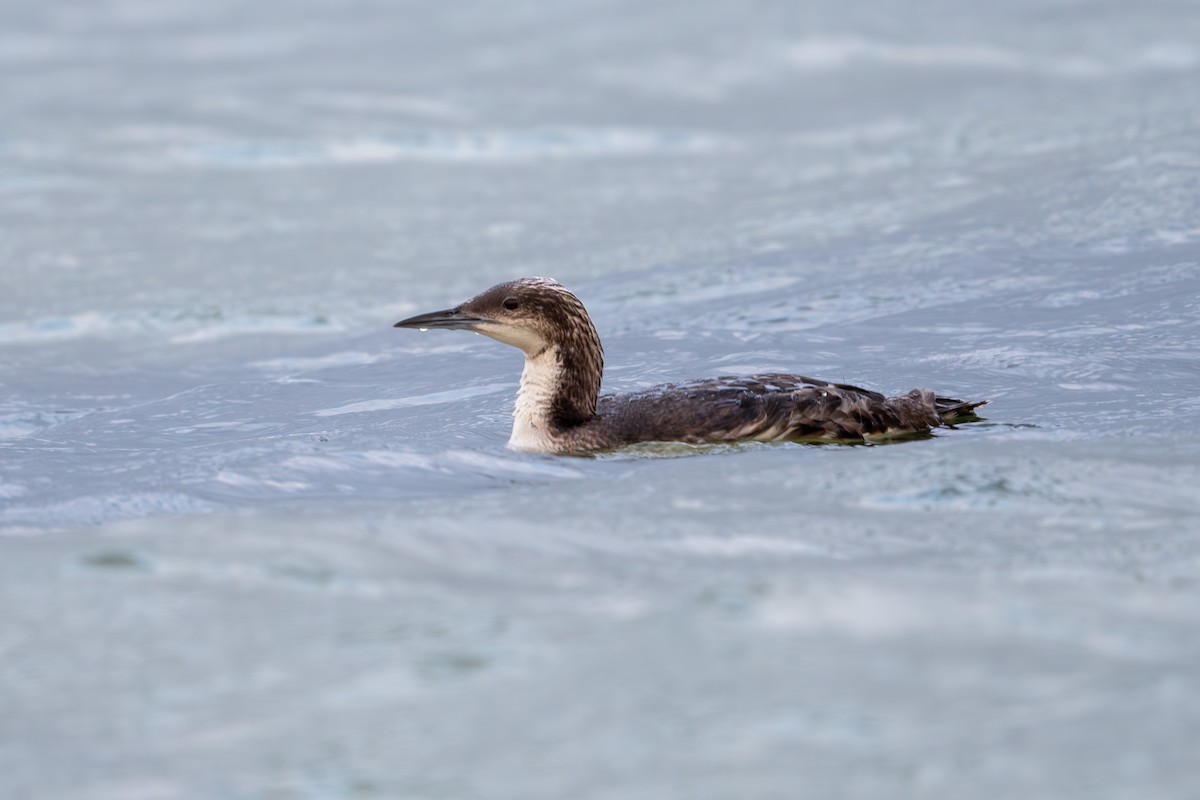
258	544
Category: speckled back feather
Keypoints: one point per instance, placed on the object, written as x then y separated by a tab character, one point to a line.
769	407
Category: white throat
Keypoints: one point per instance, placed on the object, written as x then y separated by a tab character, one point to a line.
531	415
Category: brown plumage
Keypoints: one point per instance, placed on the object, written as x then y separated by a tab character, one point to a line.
559	408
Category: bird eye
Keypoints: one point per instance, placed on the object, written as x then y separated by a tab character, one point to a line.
510	303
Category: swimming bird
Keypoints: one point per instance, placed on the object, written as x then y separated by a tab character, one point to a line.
559	408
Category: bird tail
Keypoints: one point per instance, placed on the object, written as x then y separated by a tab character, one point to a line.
952	410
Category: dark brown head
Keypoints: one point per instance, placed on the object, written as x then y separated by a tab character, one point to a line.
543	319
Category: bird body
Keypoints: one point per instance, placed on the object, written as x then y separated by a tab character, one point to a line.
559	408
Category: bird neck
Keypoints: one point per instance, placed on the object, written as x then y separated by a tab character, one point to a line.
559	388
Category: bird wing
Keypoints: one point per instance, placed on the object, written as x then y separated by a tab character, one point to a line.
765	407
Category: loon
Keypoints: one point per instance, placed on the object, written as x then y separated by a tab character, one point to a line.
560	410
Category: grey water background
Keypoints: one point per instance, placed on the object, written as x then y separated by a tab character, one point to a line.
258	544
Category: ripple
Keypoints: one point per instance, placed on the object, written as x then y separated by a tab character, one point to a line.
493	465
825	53
345	359
387	404
8	491
99	508
485	146
1022	485
27	423
243	481
182	326
252	325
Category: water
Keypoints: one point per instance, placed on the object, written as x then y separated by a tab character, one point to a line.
258	544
